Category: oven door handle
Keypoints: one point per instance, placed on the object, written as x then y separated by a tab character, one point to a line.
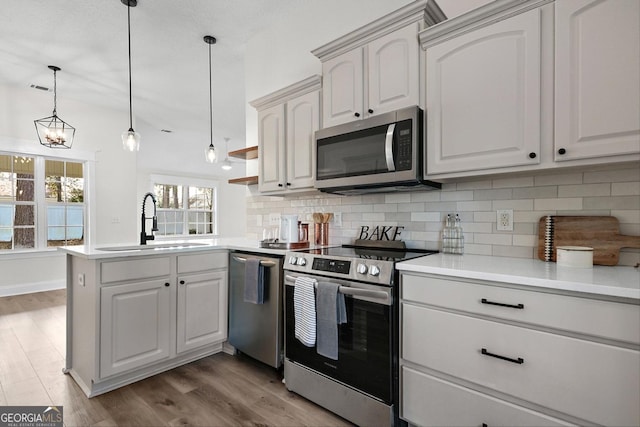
263	263
347	290
388	148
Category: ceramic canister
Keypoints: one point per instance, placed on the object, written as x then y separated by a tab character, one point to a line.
574	256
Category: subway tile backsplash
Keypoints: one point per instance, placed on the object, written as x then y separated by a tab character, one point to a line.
611	191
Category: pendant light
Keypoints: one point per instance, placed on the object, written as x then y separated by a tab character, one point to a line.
226	165
210	151
53	132
130	138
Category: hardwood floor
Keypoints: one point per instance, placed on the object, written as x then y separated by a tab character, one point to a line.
219	390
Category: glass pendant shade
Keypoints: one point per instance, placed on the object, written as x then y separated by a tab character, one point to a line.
210	154
131	140
53	132
226	164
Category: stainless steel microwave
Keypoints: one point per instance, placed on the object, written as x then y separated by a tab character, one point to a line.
383	153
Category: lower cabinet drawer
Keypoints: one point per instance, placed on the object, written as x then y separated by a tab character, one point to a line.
429	401
606	319
592	381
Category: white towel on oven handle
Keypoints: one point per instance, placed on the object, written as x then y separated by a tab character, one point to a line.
304	310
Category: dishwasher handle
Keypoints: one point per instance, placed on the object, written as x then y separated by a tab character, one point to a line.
262	263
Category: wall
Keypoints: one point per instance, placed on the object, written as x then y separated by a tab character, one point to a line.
613	190
120	178
97	133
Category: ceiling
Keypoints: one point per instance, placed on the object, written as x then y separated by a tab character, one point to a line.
88	41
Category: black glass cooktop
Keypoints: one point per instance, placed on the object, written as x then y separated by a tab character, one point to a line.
378	254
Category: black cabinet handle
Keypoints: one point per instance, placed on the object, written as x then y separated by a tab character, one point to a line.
519	360
357	114
167	284
485	425
532	155
280	185
182	282
562	151
288	184
370	111
486	301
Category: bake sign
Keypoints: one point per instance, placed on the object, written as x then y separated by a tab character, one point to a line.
380	232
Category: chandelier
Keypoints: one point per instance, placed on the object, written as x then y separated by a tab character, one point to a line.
53	132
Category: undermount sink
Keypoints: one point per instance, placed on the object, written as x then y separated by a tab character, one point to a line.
152	247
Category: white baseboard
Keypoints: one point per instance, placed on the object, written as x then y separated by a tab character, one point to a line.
29	288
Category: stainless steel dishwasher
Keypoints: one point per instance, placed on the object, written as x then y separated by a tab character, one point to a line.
257	329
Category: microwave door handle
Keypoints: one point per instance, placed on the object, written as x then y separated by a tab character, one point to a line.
388	148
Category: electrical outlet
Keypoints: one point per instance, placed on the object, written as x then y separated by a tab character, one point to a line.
504	219
337	219
274	219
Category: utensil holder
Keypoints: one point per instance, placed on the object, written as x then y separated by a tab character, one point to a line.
321	233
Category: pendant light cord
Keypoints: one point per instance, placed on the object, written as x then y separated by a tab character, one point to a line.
210	98
129	37
55	101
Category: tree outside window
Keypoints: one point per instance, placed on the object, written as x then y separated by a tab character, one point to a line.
17	202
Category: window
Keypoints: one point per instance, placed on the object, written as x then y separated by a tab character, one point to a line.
64	182
185	208
17	202
41	202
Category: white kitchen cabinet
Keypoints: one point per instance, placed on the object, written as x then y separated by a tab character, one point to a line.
376	68
271	147
389	80
532	85
597	79
131	317
202	311
135	321
287	121
510	356
484	97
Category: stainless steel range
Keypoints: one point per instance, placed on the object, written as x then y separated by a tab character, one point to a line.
362	384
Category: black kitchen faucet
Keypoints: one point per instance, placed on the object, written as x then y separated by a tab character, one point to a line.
154	226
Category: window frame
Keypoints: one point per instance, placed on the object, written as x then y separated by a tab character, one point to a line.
186	182
15	147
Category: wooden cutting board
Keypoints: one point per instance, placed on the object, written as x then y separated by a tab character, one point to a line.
602	233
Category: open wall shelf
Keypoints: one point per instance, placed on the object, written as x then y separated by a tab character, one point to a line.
248	153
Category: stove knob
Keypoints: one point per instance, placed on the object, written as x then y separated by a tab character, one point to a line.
374	270
293	260
302	261
361	268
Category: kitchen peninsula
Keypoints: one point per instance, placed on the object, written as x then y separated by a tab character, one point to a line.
136	310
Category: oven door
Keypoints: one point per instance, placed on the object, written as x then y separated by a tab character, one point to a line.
364	342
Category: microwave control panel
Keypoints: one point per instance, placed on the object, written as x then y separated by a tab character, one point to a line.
404	146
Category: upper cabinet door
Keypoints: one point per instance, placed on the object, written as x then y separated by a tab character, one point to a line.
483	97
303	120
393	71
597	78
342	88
271	136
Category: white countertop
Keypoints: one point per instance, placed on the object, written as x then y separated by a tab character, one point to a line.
615	281
155	247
